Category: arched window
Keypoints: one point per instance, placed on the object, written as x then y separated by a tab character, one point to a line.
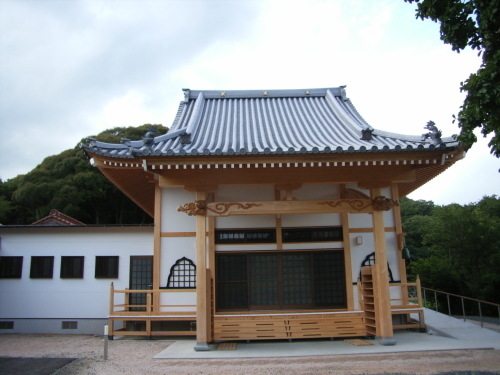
182	275
370	260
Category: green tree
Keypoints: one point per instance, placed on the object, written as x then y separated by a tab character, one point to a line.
67	182
464	248
5	209
474	24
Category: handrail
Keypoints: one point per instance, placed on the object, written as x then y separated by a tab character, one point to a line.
462	300
149	306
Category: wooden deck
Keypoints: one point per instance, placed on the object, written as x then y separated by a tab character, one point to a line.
288	326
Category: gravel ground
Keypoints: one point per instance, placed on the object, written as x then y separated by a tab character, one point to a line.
135	357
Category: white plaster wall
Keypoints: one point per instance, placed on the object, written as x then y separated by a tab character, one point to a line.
244	193
171	219
311	220
245	222
316	191
68	298
360	221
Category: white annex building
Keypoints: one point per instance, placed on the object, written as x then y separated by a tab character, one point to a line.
276	217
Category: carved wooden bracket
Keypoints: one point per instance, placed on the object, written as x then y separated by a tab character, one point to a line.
356	204
197	208
352	194
221	208
381	203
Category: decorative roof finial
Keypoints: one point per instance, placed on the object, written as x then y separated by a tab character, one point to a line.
366	134
434	134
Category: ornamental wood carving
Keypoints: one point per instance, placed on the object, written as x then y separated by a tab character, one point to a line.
382	203
355	204
353	194
199	207
222	208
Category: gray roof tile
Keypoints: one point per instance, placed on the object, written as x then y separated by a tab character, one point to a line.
267	122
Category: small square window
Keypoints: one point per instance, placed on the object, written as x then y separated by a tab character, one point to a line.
7	325
42	267
72	267
11	267
106	267
69	325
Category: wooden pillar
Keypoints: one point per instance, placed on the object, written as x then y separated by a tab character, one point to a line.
382	283
347	261
211	266
202	307
399	234
157	249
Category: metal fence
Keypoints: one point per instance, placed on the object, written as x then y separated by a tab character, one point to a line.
462	307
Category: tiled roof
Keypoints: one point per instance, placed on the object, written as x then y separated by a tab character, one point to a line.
56	218
269	122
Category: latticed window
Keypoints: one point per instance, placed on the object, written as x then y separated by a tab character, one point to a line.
370	260
284	280
182	274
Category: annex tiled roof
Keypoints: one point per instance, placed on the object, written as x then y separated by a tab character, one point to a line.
269	122
56	218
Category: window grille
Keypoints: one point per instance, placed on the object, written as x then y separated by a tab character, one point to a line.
7	325
69	325
41	267
106	267
281	280
72	267
370	260
317	234
230	236
11	267
182	274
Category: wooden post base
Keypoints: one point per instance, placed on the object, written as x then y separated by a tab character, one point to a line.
387	341
201	347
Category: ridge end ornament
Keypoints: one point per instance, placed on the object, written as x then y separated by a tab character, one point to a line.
198	207
382	203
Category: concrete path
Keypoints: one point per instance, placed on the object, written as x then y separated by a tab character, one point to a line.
445	333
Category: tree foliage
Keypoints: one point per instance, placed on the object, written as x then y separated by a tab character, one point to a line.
462	248
474	24
67	182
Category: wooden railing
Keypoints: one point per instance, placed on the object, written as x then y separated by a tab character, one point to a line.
151	307
410	302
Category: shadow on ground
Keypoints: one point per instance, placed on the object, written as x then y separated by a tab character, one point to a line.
32	366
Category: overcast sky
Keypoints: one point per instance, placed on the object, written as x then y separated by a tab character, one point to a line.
70	69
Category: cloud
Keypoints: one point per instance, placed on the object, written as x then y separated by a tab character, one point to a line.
70	69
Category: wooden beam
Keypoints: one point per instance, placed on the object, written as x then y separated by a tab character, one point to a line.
284	176
289	207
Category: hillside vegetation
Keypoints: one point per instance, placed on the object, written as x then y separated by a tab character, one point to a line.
69	183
